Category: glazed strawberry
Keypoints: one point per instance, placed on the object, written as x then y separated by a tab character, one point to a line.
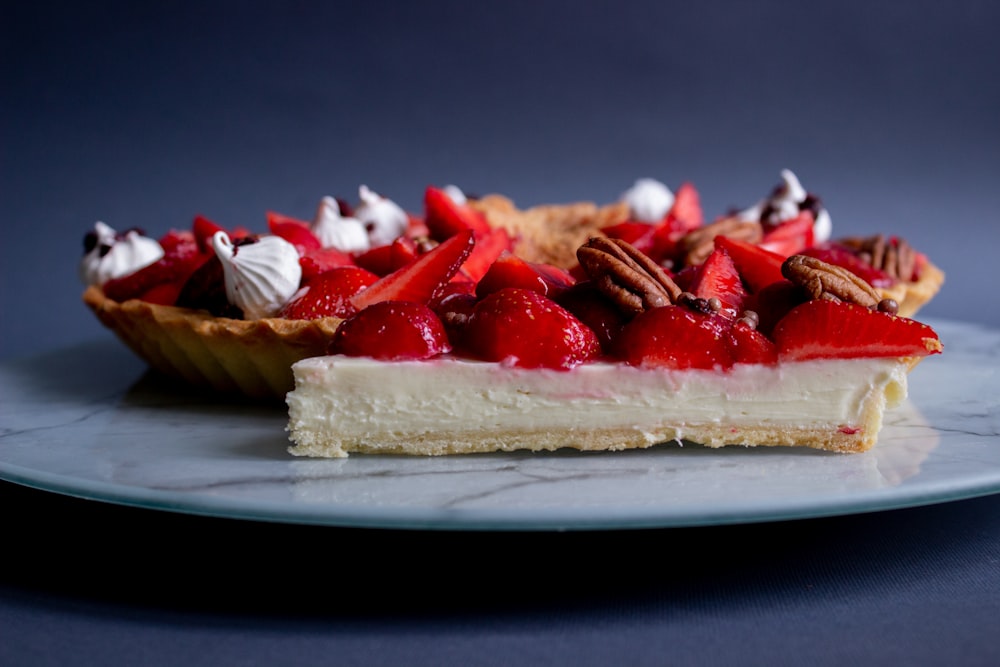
747	345
293	230
594	309
205	289
758	267
181	258
392	331
825	329
717	278
419	280
525	329
686	213
775	301
385	259
444	217
489	246
316	261
204	229
329	294
675	337
790	236
509	270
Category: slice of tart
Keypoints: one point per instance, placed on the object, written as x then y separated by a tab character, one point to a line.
625	358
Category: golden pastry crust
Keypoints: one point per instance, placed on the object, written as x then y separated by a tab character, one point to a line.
913	295
251	357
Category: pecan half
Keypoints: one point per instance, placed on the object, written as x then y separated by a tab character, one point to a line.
626	275
826	281
895	256
698	244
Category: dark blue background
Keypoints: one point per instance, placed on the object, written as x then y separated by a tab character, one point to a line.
148	113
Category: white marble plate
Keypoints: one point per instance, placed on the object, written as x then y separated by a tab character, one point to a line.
88	421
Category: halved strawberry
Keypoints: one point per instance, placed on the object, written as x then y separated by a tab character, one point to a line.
444	217
790	236
392	331
329	294
747	345
675	337
522	328
509	270
774	302
295	231
316	261
385	259
686	213
717	278
594	309
181	258
204	229
824	329
758	267
489	246
419	280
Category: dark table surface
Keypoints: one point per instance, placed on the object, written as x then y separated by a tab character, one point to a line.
148	114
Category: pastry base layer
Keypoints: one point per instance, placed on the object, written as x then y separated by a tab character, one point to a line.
342	405
248	357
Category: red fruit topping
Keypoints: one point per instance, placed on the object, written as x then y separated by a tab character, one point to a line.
686	213
489	246
594	309
204	229
205	289
295	231
525	329
392	331
637	234
747	345
675	337
174	267
717	278
329	294
510	270
844	257
419	280
774	302
824	329
790	236
758	267
316	261
164	294
444	217
454	304
385	259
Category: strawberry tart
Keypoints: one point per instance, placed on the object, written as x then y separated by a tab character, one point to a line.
476	326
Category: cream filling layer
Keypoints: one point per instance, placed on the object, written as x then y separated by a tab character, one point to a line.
340	402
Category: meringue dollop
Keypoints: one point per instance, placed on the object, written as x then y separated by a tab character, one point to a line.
335	231
382	217
114	255
260	277
648	200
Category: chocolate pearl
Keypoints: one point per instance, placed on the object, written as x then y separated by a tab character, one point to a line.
888	306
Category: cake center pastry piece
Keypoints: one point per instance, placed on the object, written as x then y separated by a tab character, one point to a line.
477	326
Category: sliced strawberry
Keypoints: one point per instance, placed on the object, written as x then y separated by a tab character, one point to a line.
329	294
637	234
419	280
594	309
205	289
686	213
758	267
392	331
790	236
844	257
509	270
204	229
747	345
489	246
717	278
164	294
675	337
444	217
774	302
295	231
824	329
174	267
316	261
525	329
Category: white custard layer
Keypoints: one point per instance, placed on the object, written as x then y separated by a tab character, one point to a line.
349	404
